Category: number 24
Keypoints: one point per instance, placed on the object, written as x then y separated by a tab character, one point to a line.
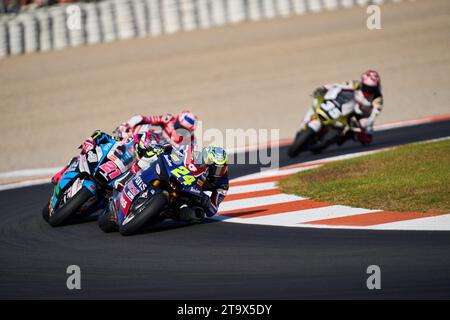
184	172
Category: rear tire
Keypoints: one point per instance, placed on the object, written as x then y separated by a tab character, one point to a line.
301	140
106	222
150	213
46	212
61	215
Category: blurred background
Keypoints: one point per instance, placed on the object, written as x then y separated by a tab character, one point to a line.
15	6
243	64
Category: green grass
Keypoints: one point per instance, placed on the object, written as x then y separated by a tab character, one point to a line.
411	178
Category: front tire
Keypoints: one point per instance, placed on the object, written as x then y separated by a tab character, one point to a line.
301	140
62	214
136	220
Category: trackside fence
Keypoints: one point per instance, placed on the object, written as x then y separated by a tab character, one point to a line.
70	25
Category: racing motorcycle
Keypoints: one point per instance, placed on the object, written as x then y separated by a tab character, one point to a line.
327	117
87	182
154	194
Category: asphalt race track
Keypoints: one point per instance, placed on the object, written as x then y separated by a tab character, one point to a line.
219	260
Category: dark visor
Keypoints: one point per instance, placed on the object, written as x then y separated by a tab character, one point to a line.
368	89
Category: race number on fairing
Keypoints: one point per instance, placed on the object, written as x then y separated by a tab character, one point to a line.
331	109
184	172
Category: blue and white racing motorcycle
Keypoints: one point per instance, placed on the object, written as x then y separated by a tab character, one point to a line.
154	194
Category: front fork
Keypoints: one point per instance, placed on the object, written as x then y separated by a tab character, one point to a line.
315	125
311	119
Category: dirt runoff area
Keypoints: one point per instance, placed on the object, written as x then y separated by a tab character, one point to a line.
250	75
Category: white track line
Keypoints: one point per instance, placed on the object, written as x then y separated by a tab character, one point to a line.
436	223
295	218
252	188
23	184
409	123
29	173
274	173
258	201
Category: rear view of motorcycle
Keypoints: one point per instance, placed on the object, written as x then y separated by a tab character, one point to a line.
87	182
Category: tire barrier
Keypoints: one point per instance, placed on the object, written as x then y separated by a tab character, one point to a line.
71	25
31	34
4	40
93	30
107	21
15	33
45	30
141	18
59	29
155	17
124	19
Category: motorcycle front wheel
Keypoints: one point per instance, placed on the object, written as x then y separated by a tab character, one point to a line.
143	214
301	140
62	214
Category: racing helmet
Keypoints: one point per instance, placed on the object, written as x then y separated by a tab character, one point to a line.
186	120
144	143
370	84
216	159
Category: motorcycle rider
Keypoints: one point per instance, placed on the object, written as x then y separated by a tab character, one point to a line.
147	148
184	122
211	168
174	128
97	138
363	98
